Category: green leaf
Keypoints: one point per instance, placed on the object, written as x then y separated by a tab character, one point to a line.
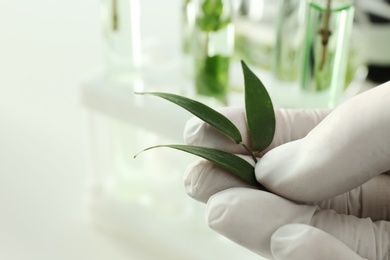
259	111
230	162
205	113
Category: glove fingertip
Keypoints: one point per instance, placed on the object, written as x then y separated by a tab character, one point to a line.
300	241
192	131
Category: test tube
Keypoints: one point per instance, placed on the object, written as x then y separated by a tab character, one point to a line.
122	40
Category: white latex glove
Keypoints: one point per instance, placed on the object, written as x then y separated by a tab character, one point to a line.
329	176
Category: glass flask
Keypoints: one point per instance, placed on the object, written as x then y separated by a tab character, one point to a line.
213	47
290	32
255	33
326	46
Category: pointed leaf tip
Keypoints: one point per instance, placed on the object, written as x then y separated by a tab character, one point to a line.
259	111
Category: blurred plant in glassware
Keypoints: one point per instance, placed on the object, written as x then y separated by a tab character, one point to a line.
213	47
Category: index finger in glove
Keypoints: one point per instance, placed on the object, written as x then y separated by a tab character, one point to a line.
253	218
250	217
291	124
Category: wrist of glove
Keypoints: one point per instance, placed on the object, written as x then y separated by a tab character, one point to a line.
327	173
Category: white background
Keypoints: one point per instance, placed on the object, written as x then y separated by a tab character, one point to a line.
46	48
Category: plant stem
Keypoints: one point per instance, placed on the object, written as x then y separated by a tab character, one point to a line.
325	33
249	151
114	15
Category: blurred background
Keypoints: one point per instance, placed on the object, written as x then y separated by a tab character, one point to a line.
70	123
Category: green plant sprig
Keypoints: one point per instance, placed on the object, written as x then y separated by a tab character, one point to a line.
260	118
207	114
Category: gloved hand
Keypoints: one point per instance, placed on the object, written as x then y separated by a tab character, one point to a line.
329	174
